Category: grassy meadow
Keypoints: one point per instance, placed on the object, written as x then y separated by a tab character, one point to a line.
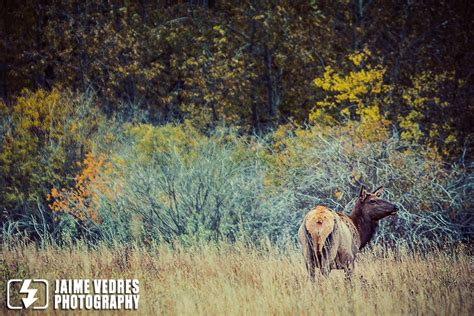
241	280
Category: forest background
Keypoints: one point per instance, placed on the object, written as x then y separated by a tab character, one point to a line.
155	121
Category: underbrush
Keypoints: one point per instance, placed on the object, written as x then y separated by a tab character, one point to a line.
93	178
175	183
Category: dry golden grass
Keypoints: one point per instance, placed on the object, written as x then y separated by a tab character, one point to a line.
237	280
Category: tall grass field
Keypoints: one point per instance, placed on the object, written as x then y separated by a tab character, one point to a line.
235	279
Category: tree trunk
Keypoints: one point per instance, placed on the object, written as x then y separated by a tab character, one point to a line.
273	97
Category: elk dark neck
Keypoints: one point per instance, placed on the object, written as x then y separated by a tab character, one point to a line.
365	226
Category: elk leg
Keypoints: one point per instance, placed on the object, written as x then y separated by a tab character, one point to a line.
325	267
348	270
325	271
310	264
311	271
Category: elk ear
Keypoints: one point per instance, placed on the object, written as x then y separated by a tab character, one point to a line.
362	194
378	191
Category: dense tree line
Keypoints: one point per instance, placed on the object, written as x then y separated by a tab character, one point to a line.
248	63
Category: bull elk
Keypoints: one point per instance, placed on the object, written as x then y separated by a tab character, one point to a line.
331	240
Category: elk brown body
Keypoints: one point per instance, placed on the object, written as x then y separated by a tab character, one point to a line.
331	240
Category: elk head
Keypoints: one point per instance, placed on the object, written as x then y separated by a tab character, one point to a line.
373	207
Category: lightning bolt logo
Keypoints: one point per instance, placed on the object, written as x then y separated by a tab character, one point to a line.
31	293
25	289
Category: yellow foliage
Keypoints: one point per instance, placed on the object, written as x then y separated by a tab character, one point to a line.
183	138
359	56
421	99
354	97
44	135
411	128
373	124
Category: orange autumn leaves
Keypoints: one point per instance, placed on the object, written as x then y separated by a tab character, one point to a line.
81	200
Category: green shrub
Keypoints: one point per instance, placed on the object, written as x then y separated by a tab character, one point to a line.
172	183
197	191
